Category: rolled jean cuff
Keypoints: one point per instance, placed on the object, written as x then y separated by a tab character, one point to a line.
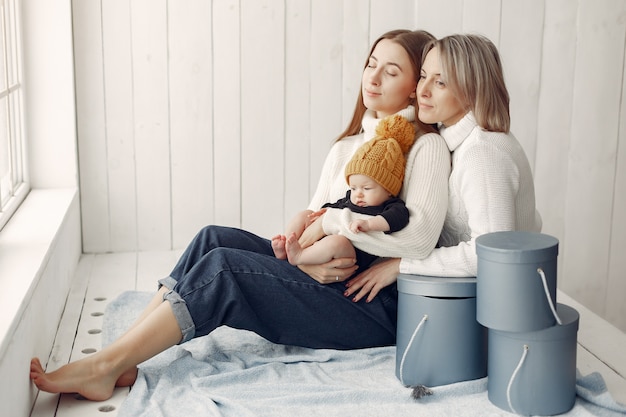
167	282
181	313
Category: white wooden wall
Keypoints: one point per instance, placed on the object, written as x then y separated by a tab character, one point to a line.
192	112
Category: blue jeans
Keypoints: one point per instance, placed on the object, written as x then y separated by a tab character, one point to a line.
231	277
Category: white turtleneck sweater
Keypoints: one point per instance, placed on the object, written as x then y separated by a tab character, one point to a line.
424	190
491	189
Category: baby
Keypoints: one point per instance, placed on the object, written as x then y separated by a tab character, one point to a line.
374	175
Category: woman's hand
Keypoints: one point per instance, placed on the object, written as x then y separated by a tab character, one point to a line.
373	279
315	215
336	270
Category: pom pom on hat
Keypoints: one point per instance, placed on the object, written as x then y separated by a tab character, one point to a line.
382	158
398	128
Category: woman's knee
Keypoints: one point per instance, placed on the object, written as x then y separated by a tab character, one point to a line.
208	230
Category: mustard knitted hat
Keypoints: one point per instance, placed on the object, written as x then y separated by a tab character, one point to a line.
382	158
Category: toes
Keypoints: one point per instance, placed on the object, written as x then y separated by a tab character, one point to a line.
35	366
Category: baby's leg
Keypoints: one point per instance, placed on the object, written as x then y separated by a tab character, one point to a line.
296	225
324	250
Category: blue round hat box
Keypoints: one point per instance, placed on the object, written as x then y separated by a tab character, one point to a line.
534	373
438	341
516	280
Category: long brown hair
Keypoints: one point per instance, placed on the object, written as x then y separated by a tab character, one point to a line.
413	43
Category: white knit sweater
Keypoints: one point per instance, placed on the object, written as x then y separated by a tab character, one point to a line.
491	189
424	192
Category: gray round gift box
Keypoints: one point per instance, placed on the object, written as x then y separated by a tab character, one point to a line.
510	290
545	383
450	346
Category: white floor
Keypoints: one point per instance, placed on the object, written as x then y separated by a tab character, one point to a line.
101	278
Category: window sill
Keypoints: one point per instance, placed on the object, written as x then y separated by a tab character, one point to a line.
41	239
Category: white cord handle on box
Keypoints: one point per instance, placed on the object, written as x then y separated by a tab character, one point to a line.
526	347
408	346
545	288
508	388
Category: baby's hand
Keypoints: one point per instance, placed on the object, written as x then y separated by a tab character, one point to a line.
359	225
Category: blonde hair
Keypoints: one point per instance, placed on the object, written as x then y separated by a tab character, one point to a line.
413	43
472	69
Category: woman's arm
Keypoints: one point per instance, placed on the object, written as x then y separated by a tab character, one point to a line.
330	187
485	185
425	192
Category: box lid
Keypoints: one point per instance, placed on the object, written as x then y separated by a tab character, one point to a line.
570	320
429	286
517	247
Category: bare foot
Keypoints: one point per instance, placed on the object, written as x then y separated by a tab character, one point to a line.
278	245
85	377
127	379
293	249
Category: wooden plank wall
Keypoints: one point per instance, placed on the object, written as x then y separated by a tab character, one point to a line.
197	112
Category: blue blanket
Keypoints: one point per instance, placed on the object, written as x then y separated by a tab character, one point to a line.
237	373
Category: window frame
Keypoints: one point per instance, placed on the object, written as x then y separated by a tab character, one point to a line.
16	181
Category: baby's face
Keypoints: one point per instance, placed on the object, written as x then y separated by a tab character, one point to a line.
366	192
